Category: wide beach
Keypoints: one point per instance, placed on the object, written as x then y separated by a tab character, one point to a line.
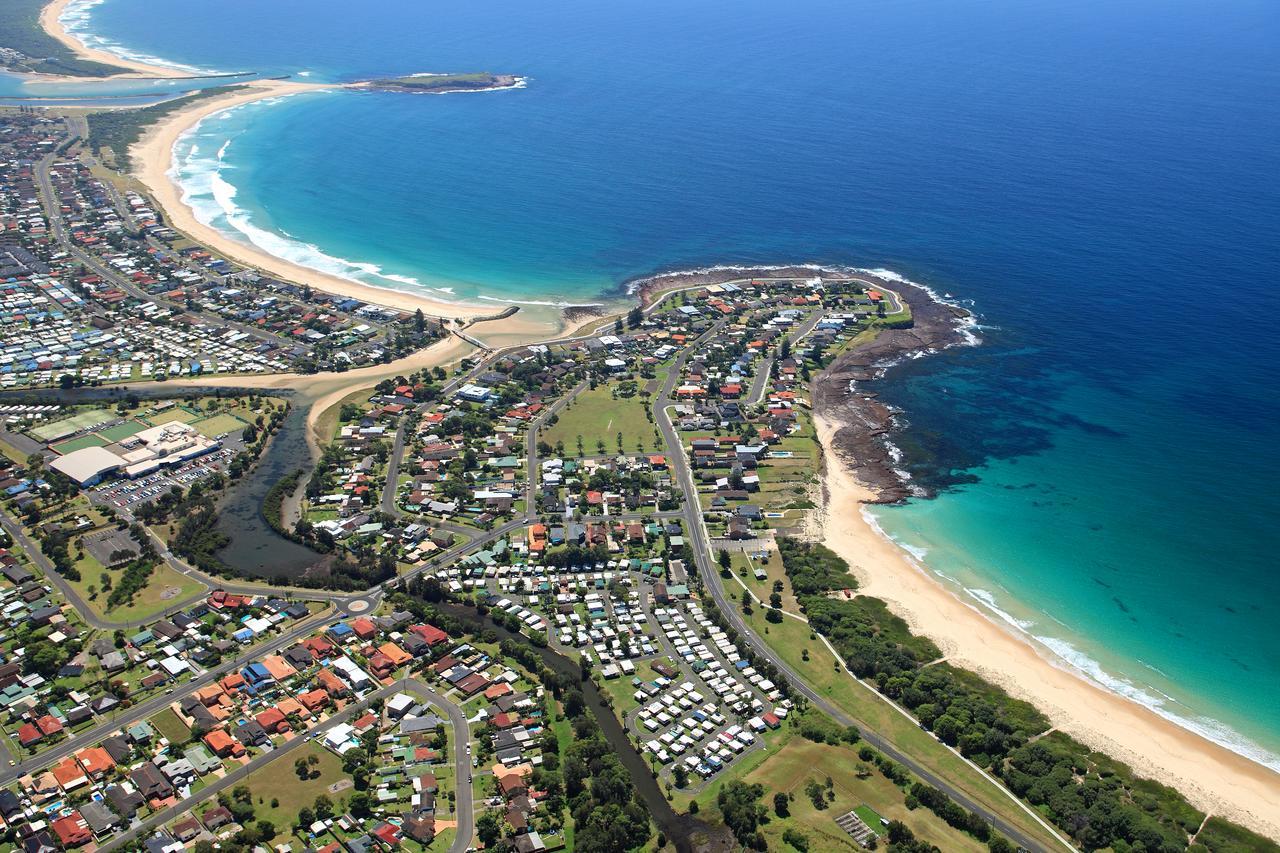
1214	778
153	156
49	20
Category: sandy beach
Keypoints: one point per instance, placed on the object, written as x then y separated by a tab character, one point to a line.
153	156
49	21
1212	777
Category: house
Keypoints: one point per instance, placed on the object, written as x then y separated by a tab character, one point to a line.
150	782
118	748
512	785
222	744
124	803
273	721
96	761
314	700
420	827
187	829
431	634
217	817
72	830
100	819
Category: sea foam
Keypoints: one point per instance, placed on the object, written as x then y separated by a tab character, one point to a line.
212	199
75	19
1066	655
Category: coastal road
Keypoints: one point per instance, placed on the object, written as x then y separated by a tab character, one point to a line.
707	569
463	806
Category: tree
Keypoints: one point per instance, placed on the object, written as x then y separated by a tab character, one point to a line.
360	804
743	814
306	817
781	805
681	775
899	832
488	829
324	807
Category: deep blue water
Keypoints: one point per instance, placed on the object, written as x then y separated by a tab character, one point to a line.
1100	180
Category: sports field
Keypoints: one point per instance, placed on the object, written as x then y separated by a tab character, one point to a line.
75	423
121	431
91	440
219	424
177	413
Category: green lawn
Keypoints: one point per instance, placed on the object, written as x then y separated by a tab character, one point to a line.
798	761
164	588
177	413
169	726
91	440
278	782
597	416
790	639
622	691
121	431
218	424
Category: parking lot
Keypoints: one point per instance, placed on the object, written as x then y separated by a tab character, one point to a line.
125	495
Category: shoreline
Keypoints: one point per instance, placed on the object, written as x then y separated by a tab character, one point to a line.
858	472
153	156
49	21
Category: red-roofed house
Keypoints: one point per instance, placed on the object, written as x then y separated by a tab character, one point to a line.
223	744
273	721
430	634
72	831
388	834
48	725
364	628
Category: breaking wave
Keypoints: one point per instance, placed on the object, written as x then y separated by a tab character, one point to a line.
212	198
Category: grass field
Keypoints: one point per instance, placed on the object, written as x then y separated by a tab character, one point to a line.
277	782
791	640
177	413
119	432
218	424
91	440
79	421
169	726
799	761
597	416
147	602
622	691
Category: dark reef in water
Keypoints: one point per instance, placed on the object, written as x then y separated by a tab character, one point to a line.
844	392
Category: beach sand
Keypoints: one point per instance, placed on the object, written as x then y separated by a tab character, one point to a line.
51	25
1212	777
153	157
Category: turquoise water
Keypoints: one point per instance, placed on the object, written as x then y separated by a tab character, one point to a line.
1101	182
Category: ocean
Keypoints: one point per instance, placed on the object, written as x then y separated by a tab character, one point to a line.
1099	182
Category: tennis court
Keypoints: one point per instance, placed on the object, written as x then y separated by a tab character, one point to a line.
75	423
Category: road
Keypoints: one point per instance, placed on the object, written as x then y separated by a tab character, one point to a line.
463	804
50	201
155	704
691	513
699	539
